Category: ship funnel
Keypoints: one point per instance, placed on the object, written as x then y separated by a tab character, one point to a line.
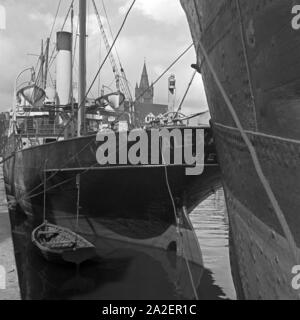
64	67
172	93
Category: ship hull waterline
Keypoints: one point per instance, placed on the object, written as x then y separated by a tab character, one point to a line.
253	50
131	204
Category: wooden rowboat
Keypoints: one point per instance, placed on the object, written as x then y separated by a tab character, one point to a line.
61	245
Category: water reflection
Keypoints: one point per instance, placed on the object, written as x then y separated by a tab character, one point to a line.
129	271
210	221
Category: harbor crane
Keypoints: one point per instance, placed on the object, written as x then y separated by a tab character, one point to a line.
120	76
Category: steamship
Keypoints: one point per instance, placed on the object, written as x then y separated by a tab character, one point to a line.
248	56
53	139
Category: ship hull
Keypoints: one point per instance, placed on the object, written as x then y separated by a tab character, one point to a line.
253	50
126	203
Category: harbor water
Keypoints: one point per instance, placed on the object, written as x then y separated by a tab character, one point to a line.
210	221
126	271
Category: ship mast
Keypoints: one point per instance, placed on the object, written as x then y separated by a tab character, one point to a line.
82	68
42	59
46	63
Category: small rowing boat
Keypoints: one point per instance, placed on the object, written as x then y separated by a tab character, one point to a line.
61	245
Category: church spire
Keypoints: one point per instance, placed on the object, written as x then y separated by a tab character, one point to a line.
144	93
144	79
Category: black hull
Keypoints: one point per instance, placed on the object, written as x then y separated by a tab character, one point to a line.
131	204
254	52
127	188
120	207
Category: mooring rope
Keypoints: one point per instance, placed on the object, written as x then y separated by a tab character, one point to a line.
7	158
178	227
69	179
59	170
256	162
45	191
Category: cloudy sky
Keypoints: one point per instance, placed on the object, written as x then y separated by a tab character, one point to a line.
156	31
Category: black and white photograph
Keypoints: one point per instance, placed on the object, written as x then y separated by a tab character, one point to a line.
149	151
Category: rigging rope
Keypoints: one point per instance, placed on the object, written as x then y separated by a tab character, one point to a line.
26	113
192	116
166	70
58	170
161	75
177	221
185	94
120	77
67	180
110	30
52	56
99	78
123	74
55	18
82	103
7	158
67	15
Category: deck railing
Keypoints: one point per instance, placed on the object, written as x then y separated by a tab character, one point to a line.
41	130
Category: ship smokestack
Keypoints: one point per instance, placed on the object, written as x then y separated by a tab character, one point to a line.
172	93
64	67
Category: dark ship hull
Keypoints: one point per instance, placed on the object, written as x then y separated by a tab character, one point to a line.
254	52
127	203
